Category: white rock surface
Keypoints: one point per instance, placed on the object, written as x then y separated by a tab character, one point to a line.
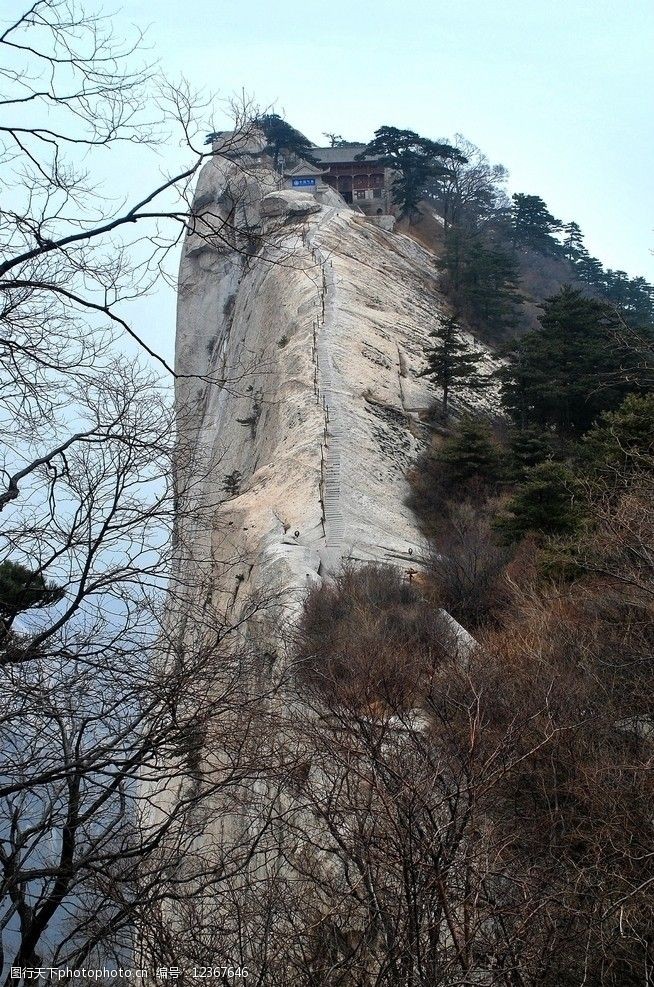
299	362
383	221
287	202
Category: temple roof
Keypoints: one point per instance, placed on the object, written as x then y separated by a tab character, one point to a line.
304	168
340	155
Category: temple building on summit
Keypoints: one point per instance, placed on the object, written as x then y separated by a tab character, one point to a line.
365	183
304	177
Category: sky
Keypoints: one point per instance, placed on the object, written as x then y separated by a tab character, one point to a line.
559	91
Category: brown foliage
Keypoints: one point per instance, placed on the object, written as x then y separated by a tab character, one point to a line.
435	491
502	832
371	637
467	567
575	669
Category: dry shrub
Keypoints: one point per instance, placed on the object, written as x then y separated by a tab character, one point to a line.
430	492
519	811
435	492
583	793
371	638
566	705
468	567
522	567
514	815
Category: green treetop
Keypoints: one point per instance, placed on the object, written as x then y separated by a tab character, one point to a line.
450	362
533	225
545	504
21	589
571	370
471	454
281	136
416	159
625	437
573	242
527	448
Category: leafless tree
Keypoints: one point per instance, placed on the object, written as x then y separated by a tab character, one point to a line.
72	256
472	188
467	564
120	723
488	825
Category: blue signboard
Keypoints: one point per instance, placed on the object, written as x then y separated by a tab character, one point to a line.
303	182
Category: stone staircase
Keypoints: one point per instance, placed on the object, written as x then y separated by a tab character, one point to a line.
327	393
334	519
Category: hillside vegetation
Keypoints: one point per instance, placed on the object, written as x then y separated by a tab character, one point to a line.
502	255
503	794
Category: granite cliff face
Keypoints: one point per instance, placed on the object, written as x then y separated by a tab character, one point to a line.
300	399
302	327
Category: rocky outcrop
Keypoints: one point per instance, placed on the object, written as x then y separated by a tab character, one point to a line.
300	342
288	203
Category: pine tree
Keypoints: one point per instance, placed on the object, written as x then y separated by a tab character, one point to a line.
488	286
639	304
232	483
573	242
616	287
570	371
281	136
545	504
21	589
471	454
624	437
416	159
527	448
533	225
589	269
450	362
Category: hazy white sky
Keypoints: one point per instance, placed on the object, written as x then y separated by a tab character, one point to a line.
559	91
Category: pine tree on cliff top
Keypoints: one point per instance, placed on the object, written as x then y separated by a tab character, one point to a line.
281	136
416	160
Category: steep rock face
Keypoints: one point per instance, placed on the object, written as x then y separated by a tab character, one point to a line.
299	396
